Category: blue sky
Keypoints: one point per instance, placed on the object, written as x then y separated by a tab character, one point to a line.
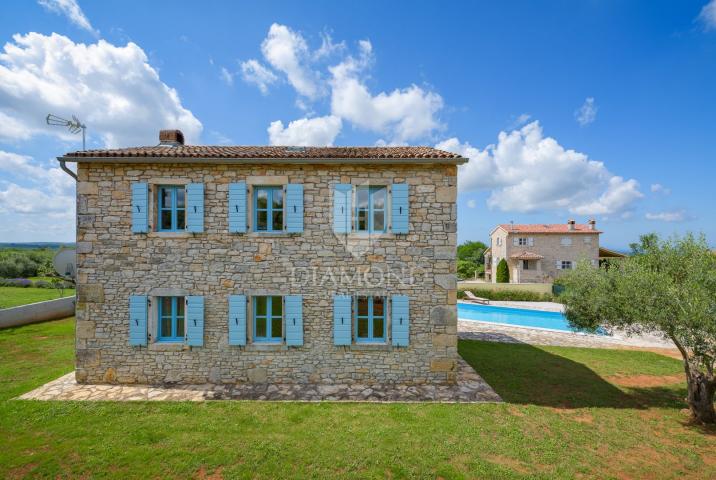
603	109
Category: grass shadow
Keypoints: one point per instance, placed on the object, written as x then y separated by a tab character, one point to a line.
525	374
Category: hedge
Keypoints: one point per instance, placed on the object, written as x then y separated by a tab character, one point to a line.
508	295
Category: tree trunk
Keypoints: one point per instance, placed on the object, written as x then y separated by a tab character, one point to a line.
700	398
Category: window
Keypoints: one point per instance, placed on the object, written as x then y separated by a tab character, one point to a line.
566	265
268	209
268	319
499	241
566	241
170	312
522	241
370	319
525	264
370	209
587	239
172	208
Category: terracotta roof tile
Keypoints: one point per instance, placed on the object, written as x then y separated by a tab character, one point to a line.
547	228
269	152
526	255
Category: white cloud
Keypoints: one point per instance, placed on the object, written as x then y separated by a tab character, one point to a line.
403	114
400	115
471	203
227	76
320	131
327	47
51	189
288	52
668	216
71	10
659	188
253	72
113	90
618	197
28	200
708	15
528	172
520	120
587	113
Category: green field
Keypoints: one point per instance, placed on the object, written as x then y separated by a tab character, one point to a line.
565	416
16	296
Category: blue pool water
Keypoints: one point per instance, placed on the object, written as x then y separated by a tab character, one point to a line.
513	316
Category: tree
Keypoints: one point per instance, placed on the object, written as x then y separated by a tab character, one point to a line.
646	242
470	259
668	288
503	272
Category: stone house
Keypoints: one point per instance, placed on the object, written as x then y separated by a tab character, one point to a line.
539	253
220	264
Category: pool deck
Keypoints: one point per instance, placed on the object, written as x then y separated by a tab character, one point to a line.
498	332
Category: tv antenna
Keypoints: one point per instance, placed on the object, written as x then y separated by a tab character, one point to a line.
74	125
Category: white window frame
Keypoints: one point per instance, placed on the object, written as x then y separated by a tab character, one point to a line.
567	265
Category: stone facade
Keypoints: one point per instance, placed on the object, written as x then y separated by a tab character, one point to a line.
114	263
584	246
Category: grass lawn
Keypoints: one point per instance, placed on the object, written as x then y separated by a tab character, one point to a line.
16	296
568	413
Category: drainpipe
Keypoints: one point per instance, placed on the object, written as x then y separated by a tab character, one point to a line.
63	166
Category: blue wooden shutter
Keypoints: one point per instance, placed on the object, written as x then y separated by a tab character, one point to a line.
294	319
194	315
294	208
400	320
342	201
237	207
138	320
195	207
140	207
399	210
237	319
342	319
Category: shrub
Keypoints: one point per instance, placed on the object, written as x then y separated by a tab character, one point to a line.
17	282
42	284
17	265
503	272
508	295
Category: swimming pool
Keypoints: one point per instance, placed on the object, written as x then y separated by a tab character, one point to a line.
513	316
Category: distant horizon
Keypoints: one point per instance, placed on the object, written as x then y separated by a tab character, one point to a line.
8	244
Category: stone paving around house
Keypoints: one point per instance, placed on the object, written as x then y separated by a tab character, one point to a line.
470	388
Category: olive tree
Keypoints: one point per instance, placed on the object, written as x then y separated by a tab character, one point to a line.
667	287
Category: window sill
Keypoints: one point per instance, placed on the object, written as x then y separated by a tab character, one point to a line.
272	234
371	236
266	347
167	347
170	235
371	347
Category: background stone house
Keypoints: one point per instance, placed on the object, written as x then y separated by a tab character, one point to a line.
200	264
539	253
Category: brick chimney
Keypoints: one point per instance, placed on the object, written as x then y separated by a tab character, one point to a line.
570	224
171	138
592	224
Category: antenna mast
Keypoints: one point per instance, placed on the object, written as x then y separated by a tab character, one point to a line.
74	125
